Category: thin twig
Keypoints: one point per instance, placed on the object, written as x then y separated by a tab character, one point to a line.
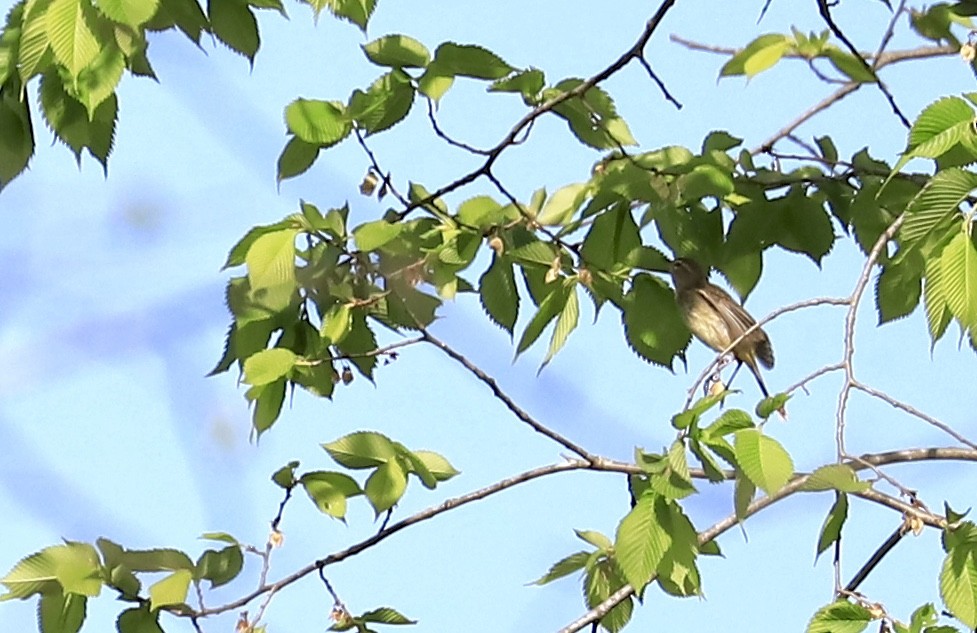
376	167
661	84
849	332
634	52
509	403
914	412
825	11
890	30
423	515
380	351
820	106
444	136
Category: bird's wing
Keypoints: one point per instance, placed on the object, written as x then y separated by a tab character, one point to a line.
738	321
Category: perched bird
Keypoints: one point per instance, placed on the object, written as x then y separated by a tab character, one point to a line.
717	320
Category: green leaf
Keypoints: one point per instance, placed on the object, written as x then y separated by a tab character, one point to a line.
641	541
958	264
220	567
329	491
337	323
534	252
831	530
828	149
934	296
898	288
561	206
269	365
602	579
436	464
703	181
373	235
720	141
613	236
61	613
852	67
840	477
233	23
452	59
498	294
937	204
565	324
356	11
528	82
17	140
222	537
170	590
743	492
652	323
130	12
96	82
268	401
551	306
296	158
434	83
592	117
69	119
385	615
397	51
140	620
958	585
384	104
729	422
363	449
322	123
670	476
565	567
271	269
840	617
763	460
151	560
73	566
70	29
34	54
386	486
10	37
598	540
757	56
805	226
285	476
186	15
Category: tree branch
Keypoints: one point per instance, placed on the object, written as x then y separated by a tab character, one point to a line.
509	403
634	52
795	485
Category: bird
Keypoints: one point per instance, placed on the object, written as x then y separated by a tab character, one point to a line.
717	320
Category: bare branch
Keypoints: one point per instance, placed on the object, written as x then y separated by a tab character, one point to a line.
822	105
376	167
881	395
634	52
825	10
661	84
509	403
423	515
444	136
849	336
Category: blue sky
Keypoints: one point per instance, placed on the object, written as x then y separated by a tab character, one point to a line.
111	314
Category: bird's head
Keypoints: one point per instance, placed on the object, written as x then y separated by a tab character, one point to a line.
686	273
